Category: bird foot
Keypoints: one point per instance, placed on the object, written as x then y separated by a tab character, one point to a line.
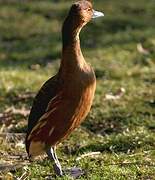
74	172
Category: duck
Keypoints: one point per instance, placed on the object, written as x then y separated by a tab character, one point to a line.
64	100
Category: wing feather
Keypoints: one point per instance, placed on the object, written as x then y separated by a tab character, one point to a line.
41	101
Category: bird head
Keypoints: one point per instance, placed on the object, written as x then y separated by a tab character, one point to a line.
82	11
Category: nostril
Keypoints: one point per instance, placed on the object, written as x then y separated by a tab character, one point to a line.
76	6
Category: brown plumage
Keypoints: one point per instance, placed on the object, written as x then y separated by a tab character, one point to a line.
64	100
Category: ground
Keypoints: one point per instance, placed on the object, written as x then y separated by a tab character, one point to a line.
121	124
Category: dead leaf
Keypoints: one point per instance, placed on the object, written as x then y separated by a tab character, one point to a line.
25	175
12	110
35	66
23	97
142	50
20	144
13	137
90	154
6	118
115	96
10	167
9	176
23	111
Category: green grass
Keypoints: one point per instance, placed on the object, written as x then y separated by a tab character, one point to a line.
122	130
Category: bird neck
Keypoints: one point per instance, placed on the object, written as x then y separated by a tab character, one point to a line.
71	51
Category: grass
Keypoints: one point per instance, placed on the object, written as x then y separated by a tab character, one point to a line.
123	130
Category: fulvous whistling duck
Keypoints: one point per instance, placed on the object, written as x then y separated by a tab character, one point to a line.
64	100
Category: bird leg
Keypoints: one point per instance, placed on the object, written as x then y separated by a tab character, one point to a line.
74	172
51	152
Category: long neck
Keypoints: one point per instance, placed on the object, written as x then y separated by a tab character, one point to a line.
71	52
